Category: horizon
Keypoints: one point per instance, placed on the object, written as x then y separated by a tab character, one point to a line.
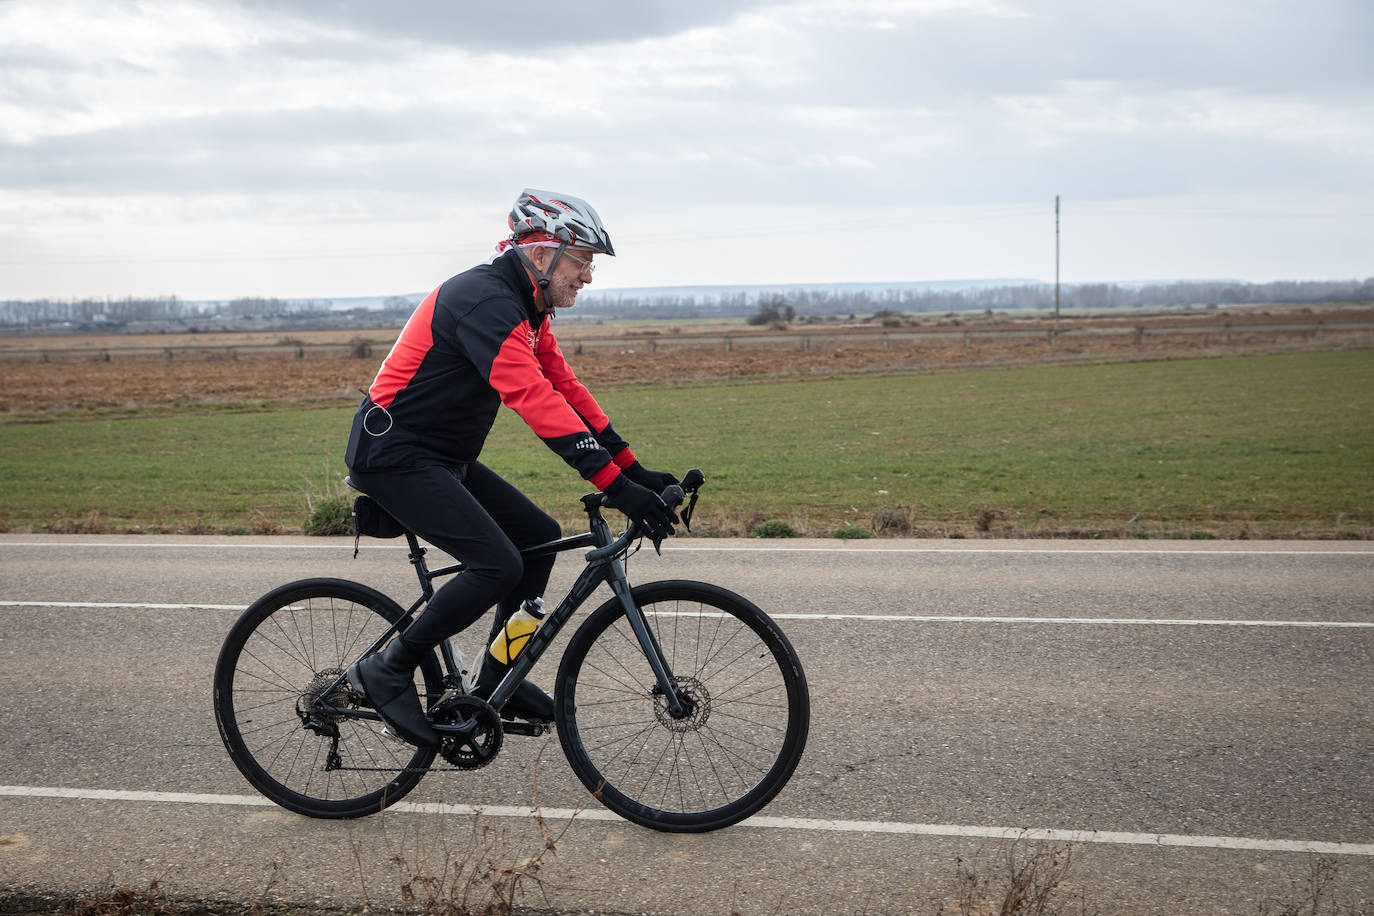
812	299
948	286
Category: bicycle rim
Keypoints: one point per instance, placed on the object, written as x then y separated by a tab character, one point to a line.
741	739
280	655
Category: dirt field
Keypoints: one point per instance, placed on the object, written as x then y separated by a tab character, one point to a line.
39	374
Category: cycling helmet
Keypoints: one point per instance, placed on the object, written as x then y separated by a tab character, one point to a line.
569	220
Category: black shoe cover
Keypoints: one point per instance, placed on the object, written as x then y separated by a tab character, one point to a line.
528	702
388	679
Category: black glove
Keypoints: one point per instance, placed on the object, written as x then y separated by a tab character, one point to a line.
642	506
658	481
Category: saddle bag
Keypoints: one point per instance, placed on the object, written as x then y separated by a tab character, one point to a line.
374	521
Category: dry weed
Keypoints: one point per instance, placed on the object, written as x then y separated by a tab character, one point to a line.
122	901
1033	883
486	875
1314	895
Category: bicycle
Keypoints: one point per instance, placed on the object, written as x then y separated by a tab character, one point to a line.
680	705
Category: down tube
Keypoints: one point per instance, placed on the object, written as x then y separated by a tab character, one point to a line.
587	582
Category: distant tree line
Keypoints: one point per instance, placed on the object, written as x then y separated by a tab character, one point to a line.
780	303
90	311
763	305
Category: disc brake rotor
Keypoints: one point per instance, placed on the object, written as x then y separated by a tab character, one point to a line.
693	694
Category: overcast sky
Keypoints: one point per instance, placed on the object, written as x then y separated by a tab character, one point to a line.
335	148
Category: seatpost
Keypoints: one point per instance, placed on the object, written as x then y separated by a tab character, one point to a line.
417	559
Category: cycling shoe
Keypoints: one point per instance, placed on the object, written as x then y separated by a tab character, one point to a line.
528	702
388	680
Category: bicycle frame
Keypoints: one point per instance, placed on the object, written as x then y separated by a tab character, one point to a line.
603	565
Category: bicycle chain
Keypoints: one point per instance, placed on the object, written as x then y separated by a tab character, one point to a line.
401	770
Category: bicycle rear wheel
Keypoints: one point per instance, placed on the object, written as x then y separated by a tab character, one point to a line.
748	709
281	656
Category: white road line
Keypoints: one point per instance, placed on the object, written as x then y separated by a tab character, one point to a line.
1093	621
125	605
1083	551
188	545
880	618
747	548
759	821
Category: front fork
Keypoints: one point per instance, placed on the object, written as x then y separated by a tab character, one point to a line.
620	584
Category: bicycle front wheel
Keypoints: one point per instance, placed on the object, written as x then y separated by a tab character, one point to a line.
280	658
747	709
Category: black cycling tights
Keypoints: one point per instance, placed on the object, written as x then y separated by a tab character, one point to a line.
474	515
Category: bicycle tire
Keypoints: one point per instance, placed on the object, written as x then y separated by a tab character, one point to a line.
292	640
713	768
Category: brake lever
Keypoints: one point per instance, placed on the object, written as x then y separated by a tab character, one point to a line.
686	514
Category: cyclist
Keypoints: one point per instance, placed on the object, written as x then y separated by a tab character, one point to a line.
481	339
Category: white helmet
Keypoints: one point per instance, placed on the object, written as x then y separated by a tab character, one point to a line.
569	220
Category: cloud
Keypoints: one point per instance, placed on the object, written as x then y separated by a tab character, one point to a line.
709	122
532	28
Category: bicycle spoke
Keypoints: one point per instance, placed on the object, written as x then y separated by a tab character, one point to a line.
280	673
737	735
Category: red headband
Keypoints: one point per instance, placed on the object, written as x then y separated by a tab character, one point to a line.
536	239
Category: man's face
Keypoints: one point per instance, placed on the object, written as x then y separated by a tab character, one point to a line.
569	277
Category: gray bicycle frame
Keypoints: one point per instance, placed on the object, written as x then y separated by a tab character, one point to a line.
603	565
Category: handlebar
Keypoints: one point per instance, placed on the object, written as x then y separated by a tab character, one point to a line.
672	497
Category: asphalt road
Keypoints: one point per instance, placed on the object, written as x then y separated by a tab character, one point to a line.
1191	721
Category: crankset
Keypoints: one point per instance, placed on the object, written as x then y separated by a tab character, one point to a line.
471	730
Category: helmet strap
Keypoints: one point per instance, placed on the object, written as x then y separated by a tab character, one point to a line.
541	278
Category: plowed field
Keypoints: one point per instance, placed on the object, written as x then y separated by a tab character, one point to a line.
103	371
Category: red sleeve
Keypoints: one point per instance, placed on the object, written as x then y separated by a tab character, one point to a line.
556	369
520	378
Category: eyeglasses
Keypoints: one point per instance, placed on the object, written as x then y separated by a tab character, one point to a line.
586	265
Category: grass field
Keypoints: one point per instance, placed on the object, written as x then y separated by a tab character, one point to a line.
1261	446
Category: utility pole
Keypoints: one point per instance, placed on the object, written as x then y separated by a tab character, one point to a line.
1056	262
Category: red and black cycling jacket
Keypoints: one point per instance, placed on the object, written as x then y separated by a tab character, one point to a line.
474	343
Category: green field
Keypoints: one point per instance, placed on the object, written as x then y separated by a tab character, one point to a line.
1264	446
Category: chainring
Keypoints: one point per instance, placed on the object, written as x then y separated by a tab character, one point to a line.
478	740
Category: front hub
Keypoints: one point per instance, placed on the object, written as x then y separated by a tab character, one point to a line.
696	705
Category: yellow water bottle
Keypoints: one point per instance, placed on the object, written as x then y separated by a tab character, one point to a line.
515	635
